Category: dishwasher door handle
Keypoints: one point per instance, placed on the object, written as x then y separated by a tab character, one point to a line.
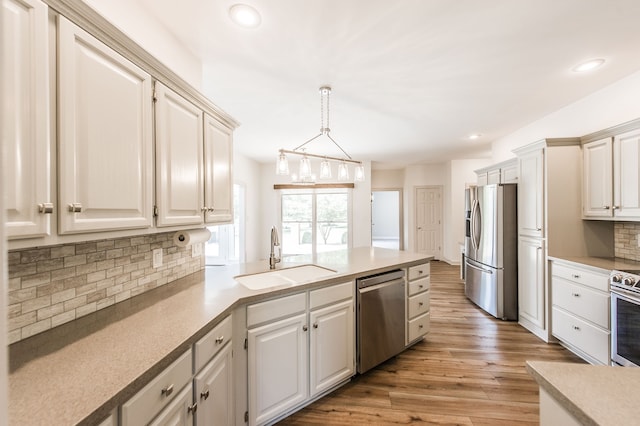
381	285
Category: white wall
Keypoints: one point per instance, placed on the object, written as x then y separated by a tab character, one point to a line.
610	106
140	26
246	172
387	179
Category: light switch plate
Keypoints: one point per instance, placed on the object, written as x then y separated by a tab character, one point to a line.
157	258
196	250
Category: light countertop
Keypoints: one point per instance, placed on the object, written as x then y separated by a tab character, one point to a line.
606	264
80	371
594	394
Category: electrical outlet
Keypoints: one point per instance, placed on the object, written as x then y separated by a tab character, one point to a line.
157	258
196	250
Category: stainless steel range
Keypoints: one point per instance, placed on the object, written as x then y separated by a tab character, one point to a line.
625	317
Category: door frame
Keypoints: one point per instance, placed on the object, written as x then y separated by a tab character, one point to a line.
440	188
400	212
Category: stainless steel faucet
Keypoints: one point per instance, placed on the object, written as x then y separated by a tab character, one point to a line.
275	241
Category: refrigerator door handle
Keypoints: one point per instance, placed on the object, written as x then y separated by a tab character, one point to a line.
475	236
488	271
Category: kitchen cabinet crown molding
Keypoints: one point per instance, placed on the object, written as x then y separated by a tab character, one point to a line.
507	163
611	131
88	19
546	142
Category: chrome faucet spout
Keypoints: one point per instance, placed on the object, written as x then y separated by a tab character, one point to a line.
275	242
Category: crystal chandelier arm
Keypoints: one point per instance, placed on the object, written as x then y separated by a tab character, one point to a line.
349	160
336	144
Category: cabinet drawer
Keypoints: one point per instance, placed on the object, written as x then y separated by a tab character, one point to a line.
276	309
418	327
418	286
211	343
148	402
579	333
418	304
582	301
327	295
581	276
419	271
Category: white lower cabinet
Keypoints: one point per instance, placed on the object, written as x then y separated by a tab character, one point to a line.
179	412
214	391
580	313
290	361
531	284
418	302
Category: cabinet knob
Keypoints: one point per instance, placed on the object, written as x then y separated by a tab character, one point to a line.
420	286
305	328
168	390
607	207
615	207
204	209
420	326
420	272
538	229
575	294
576	328
575	276
315	325
211	209
45	208
205	394
192	408
420	304
219	339
75	208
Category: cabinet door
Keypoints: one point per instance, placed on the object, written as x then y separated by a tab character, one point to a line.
25	117
179	412
531	293
179	159
493	176
531	194
483	178
332	346
626	151
278	369
509	174
597	181
218	183
105	144
214	391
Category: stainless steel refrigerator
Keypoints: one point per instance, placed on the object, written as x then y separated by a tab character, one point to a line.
491	249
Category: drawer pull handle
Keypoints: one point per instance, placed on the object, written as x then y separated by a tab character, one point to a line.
46	208
420	304
305	328
575	276
576	294
420	272
576	328
204	209
420	286
315	325
219	340
192	408
204	395
420	326
616	207
168	390
75	208
607	207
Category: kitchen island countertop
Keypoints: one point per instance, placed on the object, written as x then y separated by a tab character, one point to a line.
79	372
593	394
606	264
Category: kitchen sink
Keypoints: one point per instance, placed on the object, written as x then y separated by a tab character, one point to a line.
283	277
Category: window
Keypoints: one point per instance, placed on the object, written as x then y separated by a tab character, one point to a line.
226	244
315	220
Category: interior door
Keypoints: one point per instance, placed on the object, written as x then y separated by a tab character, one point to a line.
428	231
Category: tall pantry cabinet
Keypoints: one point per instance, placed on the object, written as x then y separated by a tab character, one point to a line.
549	222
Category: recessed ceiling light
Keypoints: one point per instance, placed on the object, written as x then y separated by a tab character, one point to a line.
589	65
474	136
244	15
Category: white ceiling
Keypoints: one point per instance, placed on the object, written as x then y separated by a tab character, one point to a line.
411	79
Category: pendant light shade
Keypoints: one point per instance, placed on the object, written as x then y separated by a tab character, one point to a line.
359	173
282	165
343	172
325	169
305	168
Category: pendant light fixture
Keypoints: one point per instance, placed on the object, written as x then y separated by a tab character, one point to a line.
305	174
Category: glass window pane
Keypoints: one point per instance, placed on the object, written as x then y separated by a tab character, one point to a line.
297	207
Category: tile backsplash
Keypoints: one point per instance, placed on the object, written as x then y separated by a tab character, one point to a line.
626	236
49	286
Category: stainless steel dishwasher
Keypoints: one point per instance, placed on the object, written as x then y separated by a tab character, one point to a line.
381	318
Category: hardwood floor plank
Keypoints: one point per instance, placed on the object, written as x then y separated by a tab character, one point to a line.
469	370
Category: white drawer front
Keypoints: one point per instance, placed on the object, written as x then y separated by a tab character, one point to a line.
418	327
419	271
418	286
327	295
579	333
418	304
589	304
276	308
588	278
148	402
212	342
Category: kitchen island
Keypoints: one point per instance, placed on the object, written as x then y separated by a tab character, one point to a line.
81	371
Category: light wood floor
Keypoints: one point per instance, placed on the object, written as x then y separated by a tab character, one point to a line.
469	370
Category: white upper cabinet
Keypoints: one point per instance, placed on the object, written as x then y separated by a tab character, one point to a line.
531	193
611	182
218	187
25	115
626	176
179	159
597	195
105	137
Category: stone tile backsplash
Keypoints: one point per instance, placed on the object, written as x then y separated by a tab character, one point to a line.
50	286
626	240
